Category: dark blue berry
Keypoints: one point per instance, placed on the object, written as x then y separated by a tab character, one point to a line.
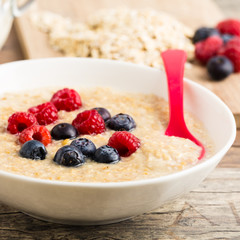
226	37
104	113
106	154
121	122
64	131
33	149
219	67
69	156
203	33
85	145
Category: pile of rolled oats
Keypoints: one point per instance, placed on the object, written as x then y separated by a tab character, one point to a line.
136	36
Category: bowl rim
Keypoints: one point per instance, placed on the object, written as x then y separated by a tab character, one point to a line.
172	176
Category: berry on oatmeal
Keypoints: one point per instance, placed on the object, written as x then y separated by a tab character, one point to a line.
64	131
36	132
86	146
203	33
66	99
121	122
33	150
125	143
19	121
230	26
104	113
69	156
231	50
219	67
208	48
106	154
89	122
45	113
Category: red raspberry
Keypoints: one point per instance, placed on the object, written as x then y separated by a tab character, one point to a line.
19	121
45	113
66	99
229	26
208	48
232	51
89	122
125	143
36	132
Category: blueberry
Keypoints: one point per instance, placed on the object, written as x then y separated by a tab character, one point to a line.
104	113
33	149
106	154
69	156
121	122
85	145
226	37
203	33
219	67
64	131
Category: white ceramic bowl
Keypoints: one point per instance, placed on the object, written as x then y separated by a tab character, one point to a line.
102	203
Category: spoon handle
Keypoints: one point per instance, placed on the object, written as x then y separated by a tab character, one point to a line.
174	61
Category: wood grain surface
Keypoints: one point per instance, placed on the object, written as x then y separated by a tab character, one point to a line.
194	13
211	211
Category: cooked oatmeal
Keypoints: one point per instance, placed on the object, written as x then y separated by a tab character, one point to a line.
158	155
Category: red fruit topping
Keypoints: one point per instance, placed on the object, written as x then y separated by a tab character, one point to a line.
208	48
89	122
231	50
36	132
45	113
229	26
19	121
66	99
125	143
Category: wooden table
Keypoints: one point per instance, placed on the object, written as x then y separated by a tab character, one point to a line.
211	211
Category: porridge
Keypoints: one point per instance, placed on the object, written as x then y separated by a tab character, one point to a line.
154	154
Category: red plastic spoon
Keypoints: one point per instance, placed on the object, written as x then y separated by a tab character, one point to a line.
174	61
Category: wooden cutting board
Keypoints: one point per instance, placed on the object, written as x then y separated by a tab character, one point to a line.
194	13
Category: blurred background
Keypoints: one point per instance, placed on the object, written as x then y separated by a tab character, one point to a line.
13	50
